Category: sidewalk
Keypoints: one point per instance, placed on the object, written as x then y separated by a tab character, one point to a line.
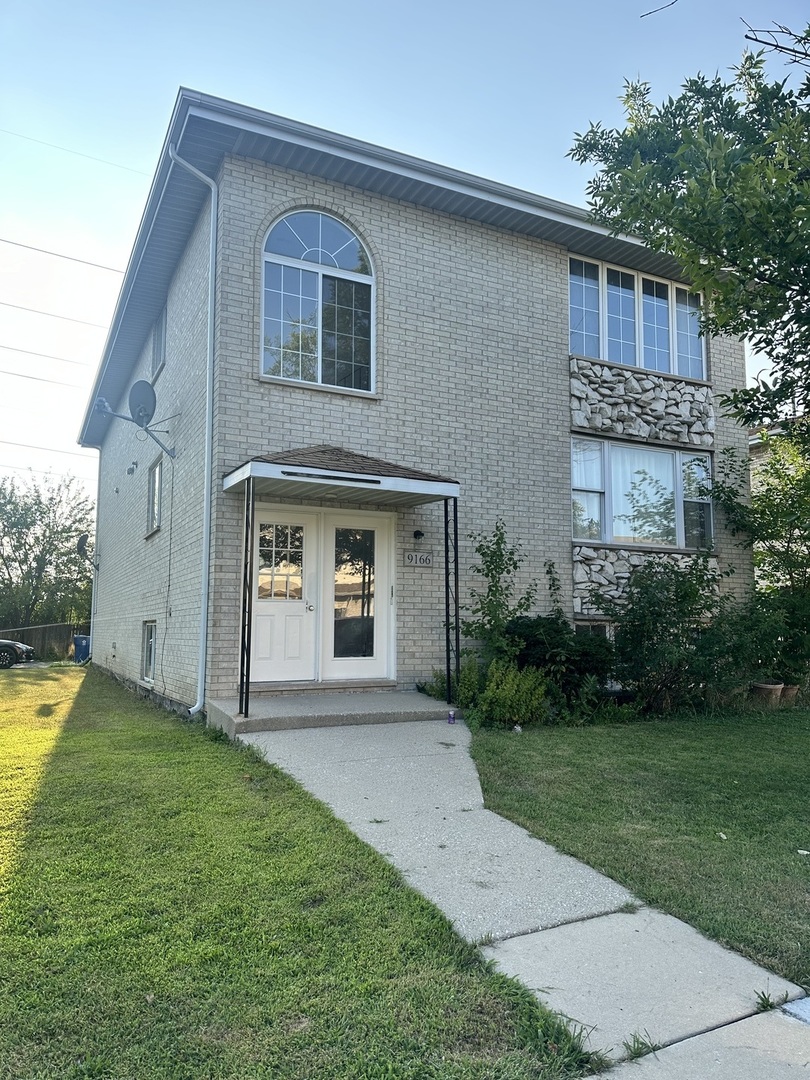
584	944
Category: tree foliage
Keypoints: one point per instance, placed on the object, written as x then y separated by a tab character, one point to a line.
719	178
775	520
680	643
494	606
44	577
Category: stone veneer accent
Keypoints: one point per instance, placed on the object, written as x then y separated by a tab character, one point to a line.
608	570
640	404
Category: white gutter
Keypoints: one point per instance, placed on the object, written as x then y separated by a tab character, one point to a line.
209	434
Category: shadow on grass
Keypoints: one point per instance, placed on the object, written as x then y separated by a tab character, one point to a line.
179	908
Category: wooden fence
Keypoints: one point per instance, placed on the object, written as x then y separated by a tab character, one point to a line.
53	641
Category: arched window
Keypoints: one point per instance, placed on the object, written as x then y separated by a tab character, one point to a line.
317	315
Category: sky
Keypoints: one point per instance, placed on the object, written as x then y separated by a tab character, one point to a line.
87	90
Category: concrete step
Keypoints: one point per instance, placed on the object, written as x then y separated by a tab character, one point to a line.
285	711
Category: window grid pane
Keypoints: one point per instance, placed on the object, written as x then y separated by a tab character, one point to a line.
281	562
584	308
346	334
655	313
687	332
621	317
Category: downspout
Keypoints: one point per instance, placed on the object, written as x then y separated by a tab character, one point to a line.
209	433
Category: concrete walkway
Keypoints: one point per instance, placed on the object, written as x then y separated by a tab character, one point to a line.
582	943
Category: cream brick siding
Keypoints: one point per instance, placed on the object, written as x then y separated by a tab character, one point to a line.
472	382
157	577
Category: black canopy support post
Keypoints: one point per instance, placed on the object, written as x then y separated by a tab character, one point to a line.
247	598
452	637
456	620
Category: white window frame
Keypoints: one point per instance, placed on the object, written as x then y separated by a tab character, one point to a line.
606	495
154	496
148	651
639	279
321	270
159	344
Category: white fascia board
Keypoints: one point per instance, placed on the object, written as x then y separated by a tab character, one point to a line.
412	168
262	470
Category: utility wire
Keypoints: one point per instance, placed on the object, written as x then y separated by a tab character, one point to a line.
49	449
78	153
59	255
48	472
51	315
37	378
45	356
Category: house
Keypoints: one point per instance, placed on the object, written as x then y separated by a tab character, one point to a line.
330	364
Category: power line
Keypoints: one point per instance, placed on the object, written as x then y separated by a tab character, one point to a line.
37	378
51	315
45	356
59	255
48	449
78	153
48	472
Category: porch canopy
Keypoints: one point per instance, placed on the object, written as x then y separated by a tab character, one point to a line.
321	474
318	473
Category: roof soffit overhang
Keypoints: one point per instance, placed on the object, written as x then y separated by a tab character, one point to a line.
328	474
205	130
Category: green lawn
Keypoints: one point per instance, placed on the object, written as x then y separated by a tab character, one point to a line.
172	907
701	817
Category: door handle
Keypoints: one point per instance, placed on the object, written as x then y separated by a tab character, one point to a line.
310	607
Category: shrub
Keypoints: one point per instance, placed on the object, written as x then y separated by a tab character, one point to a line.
549	642
464	690
512	695
494	606
680	644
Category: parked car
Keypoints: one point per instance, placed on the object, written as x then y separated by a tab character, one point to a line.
14	652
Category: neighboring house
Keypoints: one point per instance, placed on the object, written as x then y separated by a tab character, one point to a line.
362	359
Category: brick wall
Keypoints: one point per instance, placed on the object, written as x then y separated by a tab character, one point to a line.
472	382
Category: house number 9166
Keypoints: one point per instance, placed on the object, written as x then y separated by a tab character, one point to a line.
419	558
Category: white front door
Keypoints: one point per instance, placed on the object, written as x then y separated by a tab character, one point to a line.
285	615
323	599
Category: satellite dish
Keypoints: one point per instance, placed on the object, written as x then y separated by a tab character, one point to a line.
142	402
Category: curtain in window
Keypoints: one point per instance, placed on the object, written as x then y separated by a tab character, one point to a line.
643	491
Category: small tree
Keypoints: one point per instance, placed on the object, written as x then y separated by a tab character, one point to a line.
679	642
44	577
775	523
494	606
775	520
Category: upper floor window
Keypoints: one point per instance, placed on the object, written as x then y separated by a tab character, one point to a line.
154	497
629	494
626	318
159	343
317	322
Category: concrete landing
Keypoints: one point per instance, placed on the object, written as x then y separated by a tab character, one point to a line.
283	712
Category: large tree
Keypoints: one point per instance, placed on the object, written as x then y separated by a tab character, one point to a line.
45	574
719	177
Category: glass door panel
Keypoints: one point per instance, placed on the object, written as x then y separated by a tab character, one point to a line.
354	592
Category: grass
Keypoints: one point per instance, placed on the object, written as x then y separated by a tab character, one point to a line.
702	817
172	907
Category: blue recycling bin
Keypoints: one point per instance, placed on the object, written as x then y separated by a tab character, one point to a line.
81	648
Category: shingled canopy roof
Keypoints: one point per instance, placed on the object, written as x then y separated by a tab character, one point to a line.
315	473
